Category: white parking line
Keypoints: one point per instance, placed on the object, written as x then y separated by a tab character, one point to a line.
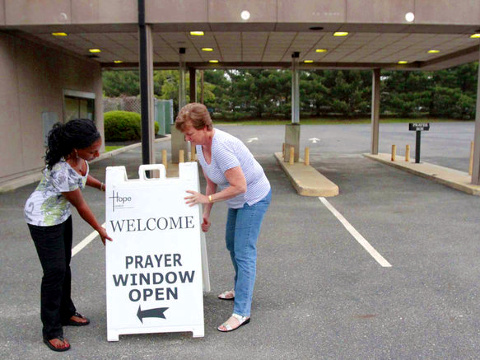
85	242
361	240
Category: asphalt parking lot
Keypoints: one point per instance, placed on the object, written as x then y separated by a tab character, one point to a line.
319	294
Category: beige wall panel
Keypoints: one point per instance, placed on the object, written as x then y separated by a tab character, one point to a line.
311	11
2	12
32	129
105	11
37	12
11	151
220	11
80	75
379	11
186	11
32	80
31	68
447	12
10	135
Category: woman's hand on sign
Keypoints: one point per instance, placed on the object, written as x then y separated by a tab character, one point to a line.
103	235
195	198
206	224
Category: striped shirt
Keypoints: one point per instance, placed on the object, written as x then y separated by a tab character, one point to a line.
229	152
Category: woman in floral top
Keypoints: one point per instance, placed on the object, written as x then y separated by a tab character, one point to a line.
48	216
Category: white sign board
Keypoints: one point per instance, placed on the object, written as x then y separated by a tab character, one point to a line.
154	264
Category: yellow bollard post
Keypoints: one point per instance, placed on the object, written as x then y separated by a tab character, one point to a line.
164	158
407	153
181	156
394	151
470	168
193	155
292	155
307	156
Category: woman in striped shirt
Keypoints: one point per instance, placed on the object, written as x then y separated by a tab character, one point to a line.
233	175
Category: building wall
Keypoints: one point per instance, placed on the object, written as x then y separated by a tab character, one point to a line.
32	80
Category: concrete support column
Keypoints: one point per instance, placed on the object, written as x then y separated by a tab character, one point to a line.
476	138
292	131
146	86
193	85
182	68
201	86
375	110
292	138
295	89
178	140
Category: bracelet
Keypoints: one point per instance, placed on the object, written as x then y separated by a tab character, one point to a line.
210	198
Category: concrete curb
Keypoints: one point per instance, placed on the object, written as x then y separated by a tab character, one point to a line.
306	180
450	177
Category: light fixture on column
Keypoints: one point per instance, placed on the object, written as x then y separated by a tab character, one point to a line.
410	16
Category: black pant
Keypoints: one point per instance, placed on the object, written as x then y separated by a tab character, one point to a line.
54	248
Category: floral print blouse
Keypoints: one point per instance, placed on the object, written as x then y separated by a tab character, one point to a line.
46	206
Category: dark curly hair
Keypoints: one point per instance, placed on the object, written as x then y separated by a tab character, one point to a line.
63	138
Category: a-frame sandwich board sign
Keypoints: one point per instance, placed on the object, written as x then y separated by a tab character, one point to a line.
154	263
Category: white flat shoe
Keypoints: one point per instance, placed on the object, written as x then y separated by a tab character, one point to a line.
227	295
233	323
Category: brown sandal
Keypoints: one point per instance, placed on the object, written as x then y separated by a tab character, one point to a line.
64	346
73	322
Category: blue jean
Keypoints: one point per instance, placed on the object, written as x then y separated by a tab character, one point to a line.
243	228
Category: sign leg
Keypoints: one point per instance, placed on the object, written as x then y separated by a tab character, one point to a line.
198	332
112	336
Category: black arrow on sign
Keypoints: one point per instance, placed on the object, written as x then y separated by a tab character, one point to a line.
157	312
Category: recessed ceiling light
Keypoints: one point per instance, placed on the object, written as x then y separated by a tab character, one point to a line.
245	15
475	36
409	16
433	51
321	50
340	33
197	33
308	61
94	50
207	49
403	62
213	61
59	34
117	61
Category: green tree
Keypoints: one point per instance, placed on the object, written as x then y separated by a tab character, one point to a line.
120	82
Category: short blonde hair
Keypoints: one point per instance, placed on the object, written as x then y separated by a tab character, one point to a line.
194	114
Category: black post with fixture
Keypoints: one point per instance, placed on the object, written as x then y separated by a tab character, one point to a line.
418	128
144	83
